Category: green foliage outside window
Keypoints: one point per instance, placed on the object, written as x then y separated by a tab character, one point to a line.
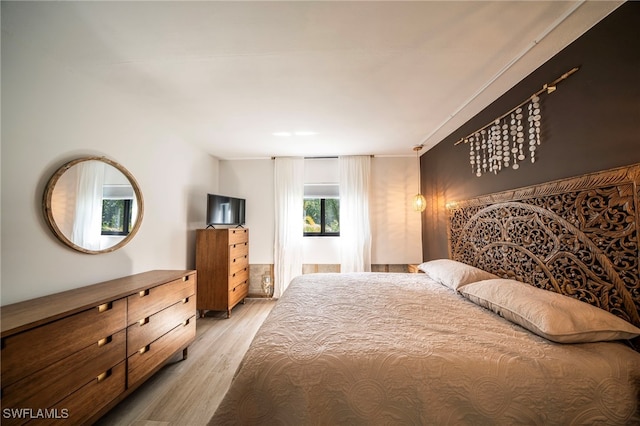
322	216
116	217
332	215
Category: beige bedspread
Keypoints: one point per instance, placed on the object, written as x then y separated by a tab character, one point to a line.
382	349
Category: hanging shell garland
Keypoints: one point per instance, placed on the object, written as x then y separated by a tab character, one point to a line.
502	143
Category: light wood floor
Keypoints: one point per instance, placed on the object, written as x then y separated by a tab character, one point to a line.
188	392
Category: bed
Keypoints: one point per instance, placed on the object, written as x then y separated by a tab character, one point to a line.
531	320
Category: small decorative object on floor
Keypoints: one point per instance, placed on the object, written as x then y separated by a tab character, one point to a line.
266	285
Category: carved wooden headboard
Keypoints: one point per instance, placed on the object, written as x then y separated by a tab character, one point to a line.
577	237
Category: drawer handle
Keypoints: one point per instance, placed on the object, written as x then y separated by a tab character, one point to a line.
144	349
186	323
104	341
143	293
143	321
103	376
185	300
185	278
105	307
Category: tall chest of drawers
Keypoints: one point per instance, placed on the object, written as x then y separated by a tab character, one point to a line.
222	262
72	356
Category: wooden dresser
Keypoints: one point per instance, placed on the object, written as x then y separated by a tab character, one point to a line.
72	356
222	262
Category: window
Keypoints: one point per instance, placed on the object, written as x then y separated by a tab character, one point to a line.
116	216
321	211
118	206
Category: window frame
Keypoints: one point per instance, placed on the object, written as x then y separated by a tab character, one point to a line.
126	225
323	224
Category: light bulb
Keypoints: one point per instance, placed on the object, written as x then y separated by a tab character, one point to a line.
419	203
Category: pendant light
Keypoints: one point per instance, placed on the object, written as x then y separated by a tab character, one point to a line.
419	202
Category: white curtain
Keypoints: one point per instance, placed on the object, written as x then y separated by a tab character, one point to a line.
289	194
87	223
355	229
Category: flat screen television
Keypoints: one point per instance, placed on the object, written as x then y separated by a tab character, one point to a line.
223	210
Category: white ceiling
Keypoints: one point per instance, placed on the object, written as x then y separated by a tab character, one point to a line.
368	77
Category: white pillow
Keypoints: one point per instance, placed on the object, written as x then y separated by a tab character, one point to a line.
454	274
551	315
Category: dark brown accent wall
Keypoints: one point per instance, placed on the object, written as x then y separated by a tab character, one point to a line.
591	123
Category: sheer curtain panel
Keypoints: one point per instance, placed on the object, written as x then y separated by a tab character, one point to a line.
355	229
289	195
87	225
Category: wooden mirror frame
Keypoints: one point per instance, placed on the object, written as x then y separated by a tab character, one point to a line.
48	212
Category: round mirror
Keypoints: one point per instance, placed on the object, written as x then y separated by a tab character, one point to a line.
93	205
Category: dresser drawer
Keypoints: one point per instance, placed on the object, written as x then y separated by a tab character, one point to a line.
238	250
148	302
91	398
151	328
238	264
238	293
49	385
238	277
30	351
143	362
238	236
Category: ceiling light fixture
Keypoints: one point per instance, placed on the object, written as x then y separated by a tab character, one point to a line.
287	134
419	202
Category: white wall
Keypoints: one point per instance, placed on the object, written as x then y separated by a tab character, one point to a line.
396	228
51	115
253	181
